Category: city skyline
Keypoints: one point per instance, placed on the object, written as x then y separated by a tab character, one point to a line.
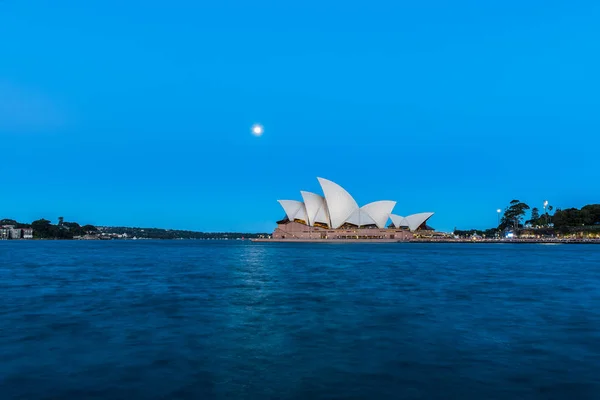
126	118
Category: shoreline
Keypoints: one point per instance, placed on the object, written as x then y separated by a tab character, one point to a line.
464	241
341	241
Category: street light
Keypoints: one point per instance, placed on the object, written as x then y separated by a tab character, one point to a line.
498	226
546	212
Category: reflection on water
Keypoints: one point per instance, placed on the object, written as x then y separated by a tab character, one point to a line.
221	320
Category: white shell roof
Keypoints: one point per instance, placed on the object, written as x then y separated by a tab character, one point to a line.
412	221
316	209
379	211
340	205
294	209
398	220
416	220
360	218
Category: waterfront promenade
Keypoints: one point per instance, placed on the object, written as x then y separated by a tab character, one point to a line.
518	240
440	240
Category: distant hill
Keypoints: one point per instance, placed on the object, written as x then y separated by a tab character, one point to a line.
7	221
156	233
44	229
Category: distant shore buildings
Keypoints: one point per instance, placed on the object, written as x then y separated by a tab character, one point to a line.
337	216
103	236
12	232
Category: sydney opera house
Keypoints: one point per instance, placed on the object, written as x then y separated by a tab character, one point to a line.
336	215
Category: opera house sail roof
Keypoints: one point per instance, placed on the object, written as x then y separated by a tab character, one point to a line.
316	208
411	222
337	208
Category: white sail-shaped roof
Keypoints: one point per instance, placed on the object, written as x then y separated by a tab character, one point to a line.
379	211
340	205
323	215
416	220
412	221
398	220
294	209
316	209
361	218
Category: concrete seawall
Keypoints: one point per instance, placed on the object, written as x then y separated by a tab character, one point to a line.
327	240
508	241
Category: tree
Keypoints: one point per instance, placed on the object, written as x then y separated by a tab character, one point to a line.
573	217
513	215
42	228
89	228
547	216
535	216
594	213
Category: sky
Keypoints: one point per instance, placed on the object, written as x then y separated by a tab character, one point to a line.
138	113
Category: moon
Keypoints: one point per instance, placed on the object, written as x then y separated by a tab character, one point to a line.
257	130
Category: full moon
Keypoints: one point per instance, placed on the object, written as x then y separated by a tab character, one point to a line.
257	130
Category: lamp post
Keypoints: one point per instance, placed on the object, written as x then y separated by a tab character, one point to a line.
498	211
546	212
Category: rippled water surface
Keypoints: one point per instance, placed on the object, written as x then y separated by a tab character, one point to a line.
201	320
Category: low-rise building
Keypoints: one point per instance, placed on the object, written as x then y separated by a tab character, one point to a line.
15	233
12	232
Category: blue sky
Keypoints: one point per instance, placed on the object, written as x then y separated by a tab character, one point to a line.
139	113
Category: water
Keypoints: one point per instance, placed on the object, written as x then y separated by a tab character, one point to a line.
202	320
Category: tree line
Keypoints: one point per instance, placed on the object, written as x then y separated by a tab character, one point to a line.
514	214
44	229
514	219
586	216
157	233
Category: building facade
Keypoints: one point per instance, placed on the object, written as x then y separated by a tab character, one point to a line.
12	232
287	230
15	233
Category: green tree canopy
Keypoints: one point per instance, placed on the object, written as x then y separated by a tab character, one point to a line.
588	215
513	215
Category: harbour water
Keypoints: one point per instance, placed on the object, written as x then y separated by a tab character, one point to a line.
217	319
